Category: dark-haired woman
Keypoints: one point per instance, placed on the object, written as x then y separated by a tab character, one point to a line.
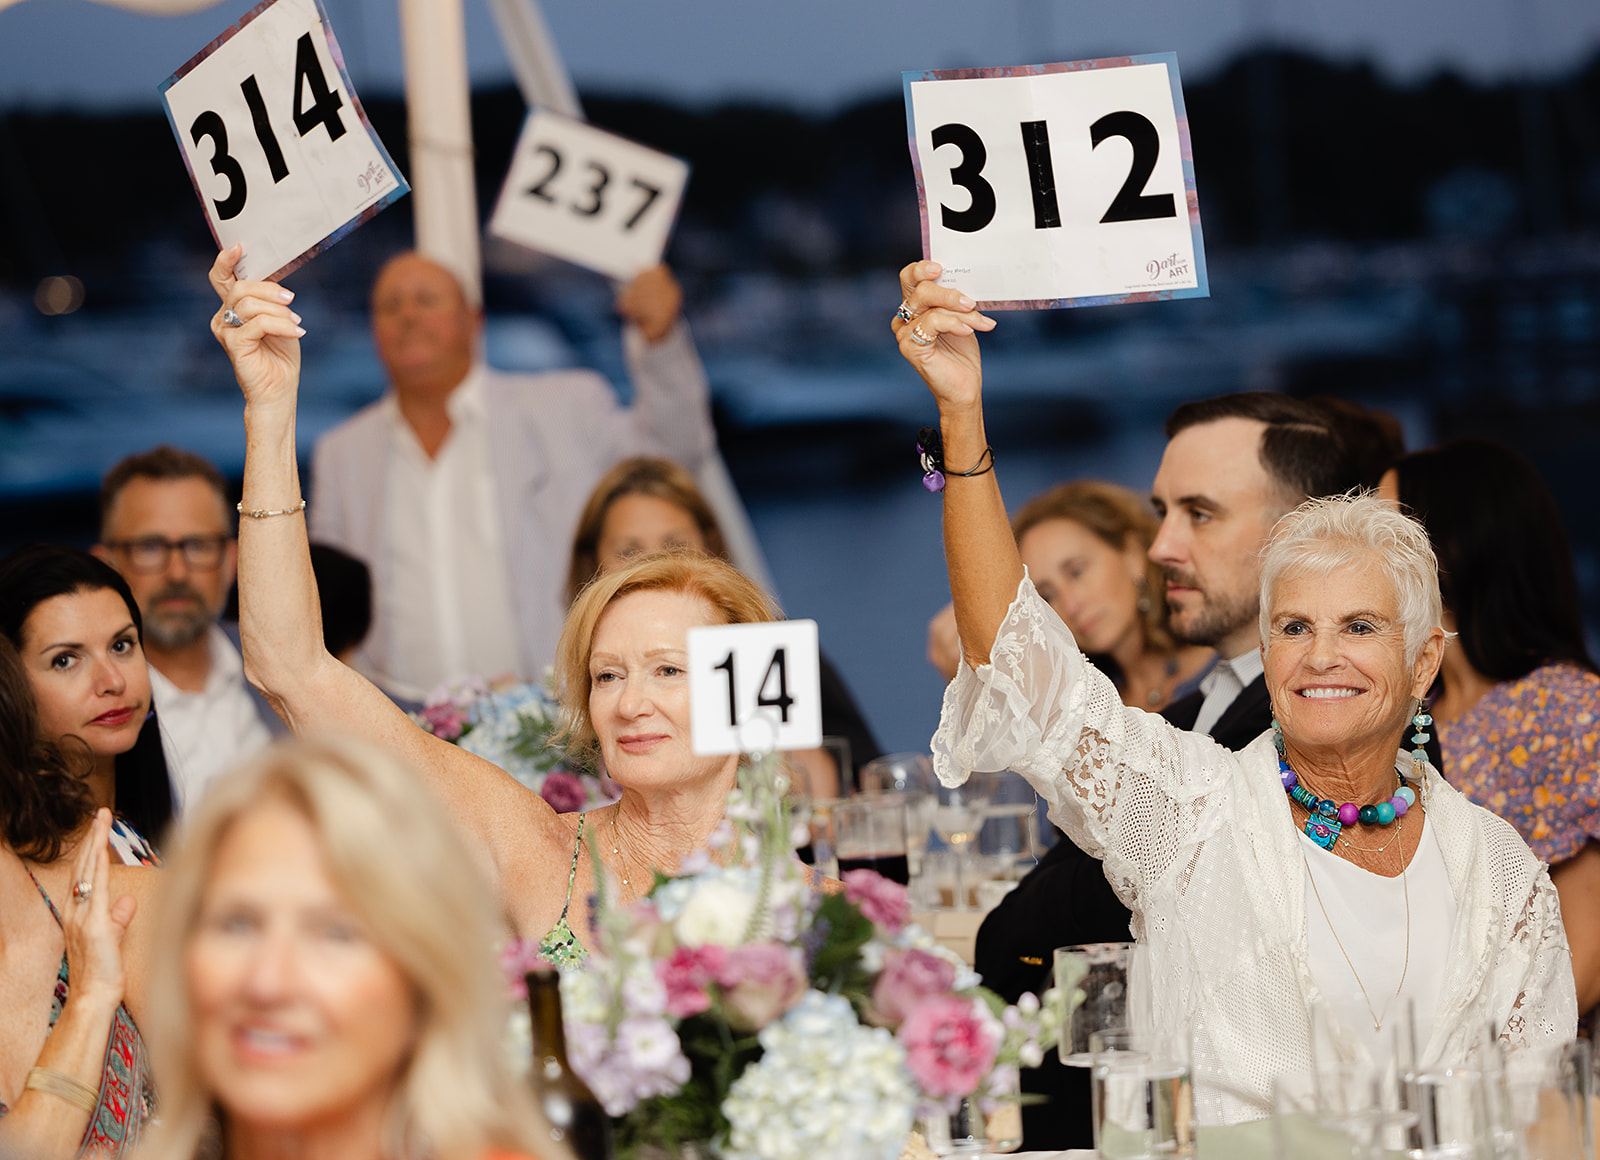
73	1078
1517	707
77	630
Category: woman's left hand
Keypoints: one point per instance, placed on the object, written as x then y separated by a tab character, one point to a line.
265	347
94	927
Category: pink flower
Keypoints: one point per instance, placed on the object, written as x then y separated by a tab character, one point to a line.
761	982
564	791
444	720
687	974
881	900
517	958
908	978
950	1045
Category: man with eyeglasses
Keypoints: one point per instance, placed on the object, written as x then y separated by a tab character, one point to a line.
166	525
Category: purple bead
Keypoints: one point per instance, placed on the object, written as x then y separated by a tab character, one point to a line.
1290	780
1400	805
933	481
1348	813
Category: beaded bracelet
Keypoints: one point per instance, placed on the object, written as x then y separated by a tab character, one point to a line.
265	513
930	450
63	1086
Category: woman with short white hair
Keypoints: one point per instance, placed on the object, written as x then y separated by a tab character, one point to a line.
1325	864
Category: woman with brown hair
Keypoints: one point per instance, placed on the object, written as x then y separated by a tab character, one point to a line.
73	1078
1086	546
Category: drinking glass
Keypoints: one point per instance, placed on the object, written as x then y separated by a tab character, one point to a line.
976	1126
1100	971
1328	1114
1140	1090
1010	835
1453	1120
910	776
957	818
1547	1096
869	833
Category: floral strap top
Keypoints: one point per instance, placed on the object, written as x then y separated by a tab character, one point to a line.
126	1096
561	946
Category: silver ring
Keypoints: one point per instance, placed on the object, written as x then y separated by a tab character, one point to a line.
231	318
918	337
905	313
81	890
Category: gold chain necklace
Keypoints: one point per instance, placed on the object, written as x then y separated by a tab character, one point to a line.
617	862
1377	1020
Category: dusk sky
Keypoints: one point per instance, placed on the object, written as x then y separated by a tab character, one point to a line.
821	53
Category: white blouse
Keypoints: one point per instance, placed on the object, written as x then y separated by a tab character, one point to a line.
1373	943
1198	841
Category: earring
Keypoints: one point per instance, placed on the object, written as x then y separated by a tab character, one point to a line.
1143	603
1277	735
1420	720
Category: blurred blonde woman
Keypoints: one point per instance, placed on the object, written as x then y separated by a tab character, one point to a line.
1086	546
323	984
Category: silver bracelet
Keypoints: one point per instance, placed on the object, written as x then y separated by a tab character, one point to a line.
264	514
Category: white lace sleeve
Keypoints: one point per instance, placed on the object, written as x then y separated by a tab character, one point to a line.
1125	785
1544	1011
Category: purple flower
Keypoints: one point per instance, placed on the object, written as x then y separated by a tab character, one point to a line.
760	983
882	901
563	791
907	979
950	1045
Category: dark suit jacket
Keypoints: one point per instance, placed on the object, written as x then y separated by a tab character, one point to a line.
1065	900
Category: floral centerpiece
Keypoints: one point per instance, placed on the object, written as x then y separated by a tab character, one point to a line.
514	726
738	1006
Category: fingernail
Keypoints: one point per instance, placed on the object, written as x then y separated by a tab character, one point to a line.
934	269
294	316
966	303
299	332
285	295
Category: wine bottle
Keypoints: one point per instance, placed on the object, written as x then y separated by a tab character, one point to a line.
576	1117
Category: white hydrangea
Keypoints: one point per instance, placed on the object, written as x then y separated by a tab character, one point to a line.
826	1086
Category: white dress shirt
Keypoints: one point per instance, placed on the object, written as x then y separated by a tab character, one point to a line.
449	597
1226	680
207	732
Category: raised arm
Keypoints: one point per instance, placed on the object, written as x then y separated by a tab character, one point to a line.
671	410
978	548
280	622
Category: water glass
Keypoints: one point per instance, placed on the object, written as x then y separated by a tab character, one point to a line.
1547	1096
976	1126
1100	971
1453	1120
1009	840
1142	1096
869	833
957	817
1330	1117
910	777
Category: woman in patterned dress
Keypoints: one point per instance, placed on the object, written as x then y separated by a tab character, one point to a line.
73	1078
1518	701
65	611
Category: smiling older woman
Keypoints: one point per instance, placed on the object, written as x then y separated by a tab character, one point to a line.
622	672
1251	907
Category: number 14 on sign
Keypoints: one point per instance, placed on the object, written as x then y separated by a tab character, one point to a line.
755	687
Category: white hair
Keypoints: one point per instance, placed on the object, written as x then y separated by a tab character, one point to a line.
1354	531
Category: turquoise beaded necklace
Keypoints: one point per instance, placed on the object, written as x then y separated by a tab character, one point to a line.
1328	817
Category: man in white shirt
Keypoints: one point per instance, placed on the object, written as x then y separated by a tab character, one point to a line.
165	525
461	488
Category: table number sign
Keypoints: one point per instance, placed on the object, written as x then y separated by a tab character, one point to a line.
755	687
275	139
1059	184
589	196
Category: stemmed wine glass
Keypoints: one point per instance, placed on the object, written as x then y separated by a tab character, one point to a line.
957	817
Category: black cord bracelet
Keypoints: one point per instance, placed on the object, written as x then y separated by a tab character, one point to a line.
930	450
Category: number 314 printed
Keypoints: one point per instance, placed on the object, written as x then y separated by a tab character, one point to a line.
323	111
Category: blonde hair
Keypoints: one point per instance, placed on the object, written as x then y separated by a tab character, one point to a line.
733	596
1115	515
414	885
642	475
1351	532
